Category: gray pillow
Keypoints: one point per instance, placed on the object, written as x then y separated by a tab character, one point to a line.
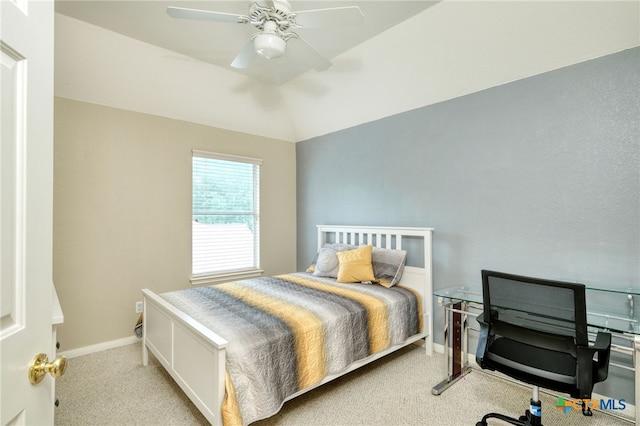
327	263
388	265
335	247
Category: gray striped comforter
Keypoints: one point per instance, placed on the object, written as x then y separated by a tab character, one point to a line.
288	332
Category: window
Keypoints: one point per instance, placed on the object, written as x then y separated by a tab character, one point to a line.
225	217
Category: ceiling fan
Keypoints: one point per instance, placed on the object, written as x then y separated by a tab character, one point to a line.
276	21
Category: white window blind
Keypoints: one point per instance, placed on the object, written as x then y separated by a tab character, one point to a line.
225	215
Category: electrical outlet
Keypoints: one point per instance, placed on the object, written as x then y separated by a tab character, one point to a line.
138	307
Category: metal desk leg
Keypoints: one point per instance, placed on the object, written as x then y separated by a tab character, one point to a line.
456	347
636	367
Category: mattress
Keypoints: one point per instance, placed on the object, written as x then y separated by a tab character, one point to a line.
287	332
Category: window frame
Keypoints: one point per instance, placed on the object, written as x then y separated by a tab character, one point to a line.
256	270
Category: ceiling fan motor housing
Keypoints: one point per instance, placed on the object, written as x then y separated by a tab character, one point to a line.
273	18
278	11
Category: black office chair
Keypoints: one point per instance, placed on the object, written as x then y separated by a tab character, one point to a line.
535	331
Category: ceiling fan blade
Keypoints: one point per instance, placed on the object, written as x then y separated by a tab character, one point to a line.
245	57
184	13
303	52
334	17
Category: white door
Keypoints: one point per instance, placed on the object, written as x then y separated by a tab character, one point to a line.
26	208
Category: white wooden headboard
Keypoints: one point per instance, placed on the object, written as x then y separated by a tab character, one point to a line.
419	279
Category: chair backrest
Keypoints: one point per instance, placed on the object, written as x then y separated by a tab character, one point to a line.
536	304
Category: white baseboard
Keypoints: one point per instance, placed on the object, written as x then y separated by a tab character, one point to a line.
86	350
437	347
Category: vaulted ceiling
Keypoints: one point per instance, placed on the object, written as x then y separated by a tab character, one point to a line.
405	55
218	43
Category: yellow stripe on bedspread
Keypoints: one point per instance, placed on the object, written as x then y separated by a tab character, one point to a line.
231	415
377	312
307	329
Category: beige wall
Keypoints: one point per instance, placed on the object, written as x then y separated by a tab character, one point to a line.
122	211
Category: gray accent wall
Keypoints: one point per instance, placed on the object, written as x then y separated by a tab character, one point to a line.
538	177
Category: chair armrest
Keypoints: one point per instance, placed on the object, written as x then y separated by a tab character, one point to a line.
480	319
589	371
602	346
483	340
603	341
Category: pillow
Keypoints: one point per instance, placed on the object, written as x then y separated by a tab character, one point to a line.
326	263
388	265
335	247
355	265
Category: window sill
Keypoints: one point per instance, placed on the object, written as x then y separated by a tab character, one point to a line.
207	279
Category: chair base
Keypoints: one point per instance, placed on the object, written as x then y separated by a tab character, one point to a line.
526	420
529	418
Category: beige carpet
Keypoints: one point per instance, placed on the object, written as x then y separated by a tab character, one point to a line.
112	388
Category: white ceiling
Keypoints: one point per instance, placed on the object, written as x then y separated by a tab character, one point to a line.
438	52
218	43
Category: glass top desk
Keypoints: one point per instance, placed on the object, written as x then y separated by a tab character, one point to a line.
611	309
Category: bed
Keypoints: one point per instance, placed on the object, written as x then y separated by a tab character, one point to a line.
233	378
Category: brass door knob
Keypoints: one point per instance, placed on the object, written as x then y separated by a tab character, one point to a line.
41	366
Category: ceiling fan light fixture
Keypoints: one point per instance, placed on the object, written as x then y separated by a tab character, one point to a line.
269	45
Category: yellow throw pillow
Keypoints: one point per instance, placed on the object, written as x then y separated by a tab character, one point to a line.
355	265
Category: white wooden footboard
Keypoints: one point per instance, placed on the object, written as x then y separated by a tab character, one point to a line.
192	354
